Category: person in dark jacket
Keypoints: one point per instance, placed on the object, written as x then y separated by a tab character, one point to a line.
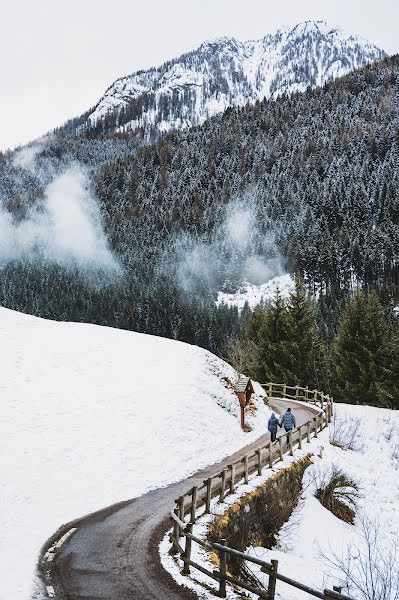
272	426
288	422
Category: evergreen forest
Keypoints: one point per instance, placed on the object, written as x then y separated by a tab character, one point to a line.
306	184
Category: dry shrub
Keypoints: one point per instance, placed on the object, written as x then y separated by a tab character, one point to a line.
345	433
338	494
389	429
369	570
395	456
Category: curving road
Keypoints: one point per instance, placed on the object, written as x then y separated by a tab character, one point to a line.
113	555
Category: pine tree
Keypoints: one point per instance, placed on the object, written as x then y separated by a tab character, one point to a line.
271	340
365	354
301	342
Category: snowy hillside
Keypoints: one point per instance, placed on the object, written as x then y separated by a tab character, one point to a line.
227	72
88	418
313	537
255	294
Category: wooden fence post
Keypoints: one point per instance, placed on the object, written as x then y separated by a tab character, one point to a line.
175	534
259	453
284	390
270	392
280	447
270	455
306	394
193	503
290	443
232	468
246	468
297	392
308	432
315	427
187	551
300	437
223	570
208	483
223	488
242	413
181	513
271	590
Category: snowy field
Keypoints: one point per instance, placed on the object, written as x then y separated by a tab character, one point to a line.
88	418
254	294
313	536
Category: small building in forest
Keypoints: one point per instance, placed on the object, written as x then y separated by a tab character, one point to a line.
244	390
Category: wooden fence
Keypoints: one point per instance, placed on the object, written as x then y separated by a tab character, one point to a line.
224	483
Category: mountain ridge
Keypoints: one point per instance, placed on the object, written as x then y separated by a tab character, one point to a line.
222	73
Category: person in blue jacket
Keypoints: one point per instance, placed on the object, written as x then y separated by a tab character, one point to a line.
288	422
272	426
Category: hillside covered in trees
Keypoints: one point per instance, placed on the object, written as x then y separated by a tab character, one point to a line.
307	183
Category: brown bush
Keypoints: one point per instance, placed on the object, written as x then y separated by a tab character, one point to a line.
338	493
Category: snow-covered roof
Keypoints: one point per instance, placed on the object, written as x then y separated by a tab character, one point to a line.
242	384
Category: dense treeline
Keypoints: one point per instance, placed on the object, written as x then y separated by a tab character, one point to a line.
321	168
318	173
281	343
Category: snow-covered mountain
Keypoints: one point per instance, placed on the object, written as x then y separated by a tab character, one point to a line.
226	72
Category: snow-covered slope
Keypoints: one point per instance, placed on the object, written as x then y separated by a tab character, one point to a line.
313	536
226	72
88	418
256	294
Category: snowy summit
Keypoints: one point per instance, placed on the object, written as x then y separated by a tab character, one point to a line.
226	72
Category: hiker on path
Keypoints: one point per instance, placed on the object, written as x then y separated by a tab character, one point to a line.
272	426
288	422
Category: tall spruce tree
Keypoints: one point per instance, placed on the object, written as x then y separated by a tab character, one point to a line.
252	335
273	337
389	388
267	329
366	355
299	351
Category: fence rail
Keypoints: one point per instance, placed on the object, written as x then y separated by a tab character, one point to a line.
224	483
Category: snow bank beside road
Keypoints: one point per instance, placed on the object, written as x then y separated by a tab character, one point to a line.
91	416
313	531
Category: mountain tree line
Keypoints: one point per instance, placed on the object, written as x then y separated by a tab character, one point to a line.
359	366
319	172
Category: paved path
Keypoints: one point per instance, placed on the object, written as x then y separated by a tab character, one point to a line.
113	555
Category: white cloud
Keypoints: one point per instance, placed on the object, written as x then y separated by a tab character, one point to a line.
65	229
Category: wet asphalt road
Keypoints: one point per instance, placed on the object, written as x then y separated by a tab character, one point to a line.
113	555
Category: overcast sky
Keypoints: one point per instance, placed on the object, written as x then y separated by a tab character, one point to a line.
59	56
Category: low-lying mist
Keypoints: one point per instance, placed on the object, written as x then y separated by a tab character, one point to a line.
237	251
64	227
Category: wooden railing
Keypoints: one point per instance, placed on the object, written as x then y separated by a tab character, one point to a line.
224	483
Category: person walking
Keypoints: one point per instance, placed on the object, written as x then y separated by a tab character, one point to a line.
272	426
288	422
